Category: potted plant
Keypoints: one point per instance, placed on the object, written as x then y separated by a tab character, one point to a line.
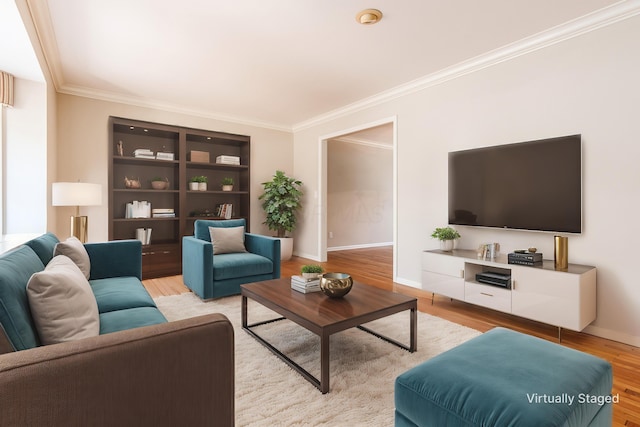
281	201
158	183
311	271
198	183
227	184
447	236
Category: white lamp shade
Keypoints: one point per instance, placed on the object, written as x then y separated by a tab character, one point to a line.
76	194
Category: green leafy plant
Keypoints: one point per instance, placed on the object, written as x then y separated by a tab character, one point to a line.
445	233
311	268
227	181
200	178
157	178
280	201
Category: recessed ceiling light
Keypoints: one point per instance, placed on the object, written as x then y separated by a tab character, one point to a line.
369	16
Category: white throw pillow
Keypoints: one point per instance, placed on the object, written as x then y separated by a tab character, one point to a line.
62	304
227	239
74	249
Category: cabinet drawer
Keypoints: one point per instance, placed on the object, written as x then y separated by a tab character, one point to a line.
452	287
443	264
488	296
161	260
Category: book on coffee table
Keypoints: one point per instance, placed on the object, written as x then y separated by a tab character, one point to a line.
304	285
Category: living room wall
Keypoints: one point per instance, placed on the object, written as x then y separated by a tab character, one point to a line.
83	152
587	85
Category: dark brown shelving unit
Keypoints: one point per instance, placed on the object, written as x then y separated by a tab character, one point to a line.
162	257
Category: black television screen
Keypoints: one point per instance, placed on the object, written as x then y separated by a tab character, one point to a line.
534	185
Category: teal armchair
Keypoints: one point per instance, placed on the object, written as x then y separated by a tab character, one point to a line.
216	276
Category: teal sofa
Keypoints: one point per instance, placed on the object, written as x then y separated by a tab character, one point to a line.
139	368
216	276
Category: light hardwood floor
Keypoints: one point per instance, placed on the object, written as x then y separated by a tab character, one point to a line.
374	267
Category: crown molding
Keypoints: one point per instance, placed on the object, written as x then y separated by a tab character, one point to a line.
609	15
165	106
41	19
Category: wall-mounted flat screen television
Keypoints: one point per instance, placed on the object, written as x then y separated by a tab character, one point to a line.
534	185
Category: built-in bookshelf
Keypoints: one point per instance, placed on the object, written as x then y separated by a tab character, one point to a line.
141	152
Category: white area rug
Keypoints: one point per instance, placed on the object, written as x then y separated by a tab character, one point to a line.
363	367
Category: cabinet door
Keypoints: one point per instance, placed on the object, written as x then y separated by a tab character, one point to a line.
557	298
443	274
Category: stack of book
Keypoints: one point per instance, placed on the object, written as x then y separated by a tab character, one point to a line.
163	213
143	153
138	209
300	284
164	156
228	160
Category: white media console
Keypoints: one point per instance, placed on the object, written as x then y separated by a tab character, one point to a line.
562	298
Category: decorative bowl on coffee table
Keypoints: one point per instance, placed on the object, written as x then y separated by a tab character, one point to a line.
335	285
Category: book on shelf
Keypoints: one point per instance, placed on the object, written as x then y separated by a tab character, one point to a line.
143	153
224	210
163	213
228	160
164	156
138	209
144	235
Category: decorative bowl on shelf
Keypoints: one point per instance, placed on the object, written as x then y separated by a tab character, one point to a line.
160	184
335	285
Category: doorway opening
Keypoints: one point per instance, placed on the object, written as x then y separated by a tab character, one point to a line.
357	190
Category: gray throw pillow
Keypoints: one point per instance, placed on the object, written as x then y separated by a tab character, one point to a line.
74	249
62	304
227	239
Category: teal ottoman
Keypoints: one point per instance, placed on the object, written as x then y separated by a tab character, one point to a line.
505	378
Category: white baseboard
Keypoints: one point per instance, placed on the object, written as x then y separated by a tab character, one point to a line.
407	282
307	256
613	335
363	246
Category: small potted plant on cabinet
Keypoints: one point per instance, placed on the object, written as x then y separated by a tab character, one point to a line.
227	184
198	183
447	236
311	271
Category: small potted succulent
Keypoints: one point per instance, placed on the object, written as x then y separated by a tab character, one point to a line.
311	271
198	183
227	184
447	236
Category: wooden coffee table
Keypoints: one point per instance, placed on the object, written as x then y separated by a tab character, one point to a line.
324	316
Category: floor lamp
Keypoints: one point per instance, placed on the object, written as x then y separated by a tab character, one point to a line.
77	194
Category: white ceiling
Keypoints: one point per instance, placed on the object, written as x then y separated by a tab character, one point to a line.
277	62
